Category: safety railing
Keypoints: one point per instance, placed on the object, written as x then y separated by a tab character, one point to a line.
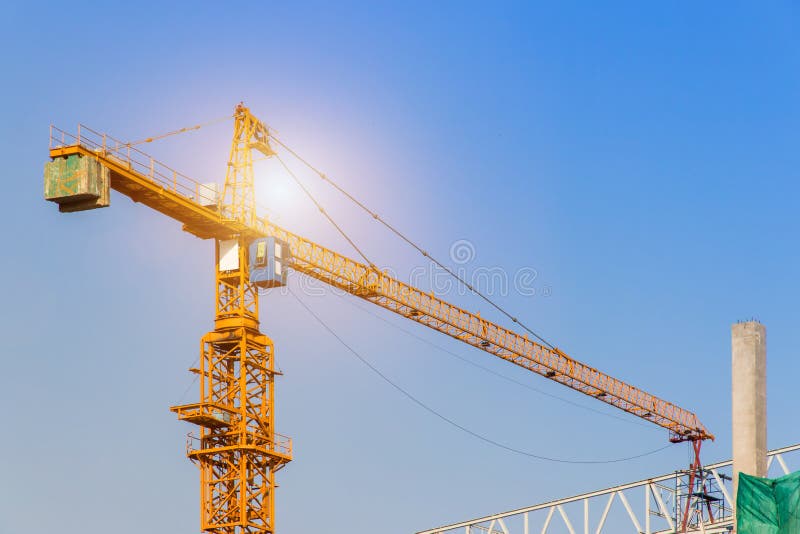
130	157
280	445
135	160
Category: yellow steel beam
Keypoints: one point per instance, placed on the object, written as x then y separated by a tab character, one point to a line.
425	308
160	195
431	311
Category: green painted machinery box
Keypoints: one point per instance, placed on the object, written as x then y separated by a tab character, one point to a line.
76	183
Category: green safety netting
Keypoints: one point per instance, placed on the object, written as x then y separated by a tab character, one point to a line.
768	506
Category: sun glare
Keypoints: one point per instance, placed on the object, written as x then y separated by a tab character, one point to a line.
273	191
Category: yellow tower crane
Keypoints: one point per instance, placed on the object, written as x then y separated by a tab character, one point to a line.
237	449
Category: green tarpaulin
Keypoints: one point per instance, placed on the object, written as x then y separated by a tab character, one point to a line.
768	506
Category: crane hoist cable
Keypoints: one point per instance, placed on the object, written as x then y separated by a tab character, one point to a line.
414	245
446	419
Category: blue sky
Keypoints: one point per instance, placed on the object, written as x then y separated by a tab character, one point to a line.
640	157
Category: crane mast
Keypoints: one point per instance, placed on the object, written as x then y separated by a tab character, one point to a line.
237	450
238	194
236	447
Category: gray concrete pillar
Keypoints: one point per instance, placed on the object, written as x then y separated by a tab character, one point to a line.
749	389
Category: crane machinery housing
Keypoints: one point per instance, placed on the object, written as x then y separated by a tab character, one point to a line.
237	448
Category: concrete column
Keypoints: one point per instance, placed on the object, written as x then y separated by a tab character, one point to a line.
749	388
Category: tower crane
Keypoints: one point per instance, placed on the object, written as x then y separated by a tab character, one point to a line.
238	450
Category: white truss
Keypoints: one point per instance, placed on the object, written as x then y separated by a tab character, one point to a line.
652	506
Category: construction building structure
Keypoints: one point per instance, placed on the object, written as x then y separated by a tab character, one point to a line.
650	506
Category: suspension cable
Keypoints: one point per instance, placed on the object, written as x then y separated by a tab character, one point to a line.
349	240
414	245
325	213
179	131
449	421
520	383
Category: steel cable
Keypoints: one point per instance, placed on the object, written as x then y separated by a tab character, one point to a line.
418	248
451	422
325	213
179	131
488	370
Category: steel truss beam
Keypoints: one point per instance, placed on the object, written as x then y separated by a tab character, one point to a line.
237	449
651	506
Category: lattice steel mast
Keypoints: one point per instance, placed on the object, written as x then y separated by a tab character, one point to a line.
238	451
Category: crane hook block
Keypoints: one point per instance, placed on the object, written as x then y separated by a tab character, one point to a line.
269	261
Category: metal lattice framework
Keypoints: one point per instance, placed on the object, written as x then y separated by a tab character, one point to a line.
651	506
238	195
237	449
427	309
